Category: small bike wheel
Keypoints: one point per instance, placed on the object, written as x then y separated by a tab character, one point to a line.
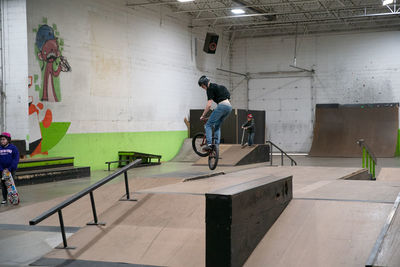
213	158
198	142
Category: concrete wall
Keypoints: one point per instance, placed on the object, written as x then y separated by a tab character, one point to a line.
349	68
132	71
15	72
135	71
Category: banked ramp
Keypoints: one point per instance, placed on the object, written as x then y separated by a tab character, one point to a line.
186	153
337	129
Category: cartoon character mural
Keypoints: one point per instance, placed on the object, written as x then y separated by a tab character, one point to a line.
44	132
51	63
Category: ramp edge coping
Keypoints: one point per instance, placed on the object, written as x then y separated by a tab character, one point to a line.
378	244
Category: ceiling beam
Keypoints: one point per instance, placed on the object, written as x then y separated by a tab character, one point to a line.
361	9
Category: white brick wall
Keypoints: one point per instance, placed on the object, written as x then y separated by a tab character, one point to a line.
132	69
349	68
137	70
15	73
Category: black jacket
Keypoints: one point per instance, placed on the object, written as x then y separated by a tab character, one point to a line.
251	126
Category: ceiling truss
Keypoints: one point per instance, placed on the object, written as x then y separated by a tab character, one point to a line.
284	17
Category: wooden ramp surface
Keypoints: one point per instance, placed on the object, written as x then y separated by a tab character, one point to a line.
330	222
389	174
321	233
337	128
232	155
387	247
161	230
186	153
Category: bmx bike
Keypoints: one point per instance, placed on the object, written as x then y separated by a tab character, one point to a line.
199	141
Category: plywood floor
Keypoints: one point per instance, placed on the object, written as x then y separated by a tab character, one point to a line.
329	222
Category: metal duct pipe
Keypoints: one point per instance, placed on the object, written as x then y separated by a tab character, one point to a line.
2	84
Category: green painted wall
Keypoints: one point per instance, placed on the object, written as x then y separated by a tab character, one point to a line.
94	149
398	144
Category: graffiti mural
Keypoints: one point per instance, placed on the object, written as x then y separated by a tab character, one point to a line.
44	133
51	63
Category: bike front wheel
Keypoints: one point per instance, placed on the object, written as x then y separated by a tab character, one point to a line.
198	142
213	157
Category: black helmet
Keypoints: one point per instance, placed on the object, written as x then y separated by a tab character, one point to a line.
203	80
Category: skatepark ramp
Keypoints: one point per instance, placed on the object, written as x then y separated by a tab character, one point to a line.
386	251
217	221
234	155
186	153
337	128
328	222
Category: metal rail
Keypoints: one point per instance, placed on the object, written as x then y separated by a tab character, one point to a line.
369	160
89	190
282	153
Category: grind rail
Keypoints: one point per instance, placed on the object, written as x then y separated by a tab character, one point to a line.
292	161
369	160
58	208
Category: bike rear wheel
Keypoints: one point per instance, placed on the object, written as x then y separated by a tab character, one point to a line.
198	142
213	157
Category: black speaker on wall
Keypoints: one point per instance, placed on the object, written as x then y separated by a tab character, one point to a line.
210	44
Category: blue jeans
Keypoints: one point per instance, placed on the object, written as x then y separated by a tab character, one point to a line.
250	138
215	120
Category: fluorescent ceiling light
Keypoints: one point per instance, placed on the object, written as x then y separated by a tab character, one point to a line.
185	0
387	2
237	11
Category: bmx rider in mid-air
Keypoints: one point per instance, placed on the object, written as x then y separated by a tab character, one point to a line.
220	95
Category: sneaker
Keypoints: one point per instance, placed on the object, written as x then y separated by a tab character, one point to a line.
4	202
207	148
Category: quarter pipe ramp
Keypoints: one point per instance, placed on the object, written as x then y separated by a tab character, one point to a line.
338	127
